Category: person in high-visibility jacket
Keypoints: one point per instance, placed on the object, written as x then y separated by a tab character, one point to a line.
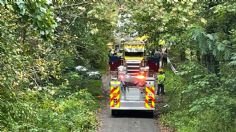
160	82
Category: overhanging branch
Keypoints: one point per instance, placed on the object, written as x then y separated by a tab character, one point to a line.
71	5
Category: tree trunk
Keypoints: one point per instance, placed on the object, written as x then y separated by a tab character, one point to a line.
211	63
182	55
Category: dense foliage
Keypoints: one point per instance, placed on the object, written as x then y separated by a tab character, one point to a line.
41	43
200	36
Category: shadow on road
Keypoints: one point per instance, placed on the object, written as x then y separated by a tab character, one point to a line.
133	114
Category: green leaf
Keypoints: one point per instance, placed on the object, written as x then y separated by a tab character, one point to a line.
220	46
232	63
3	2
48	2
210	36
227	55
214	52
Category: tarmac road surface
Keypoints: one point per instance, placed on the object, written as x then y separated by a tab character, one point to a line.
128	121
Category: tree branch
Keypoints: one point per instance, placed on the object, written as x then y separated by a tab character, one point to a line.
71	5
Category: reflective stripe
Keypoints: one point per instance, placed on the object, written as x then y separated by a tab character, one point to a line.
133	46
115	96
150	95
134	58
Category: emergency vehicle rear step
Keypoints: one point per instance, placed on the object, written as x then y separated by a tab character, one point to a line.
133	66
132	105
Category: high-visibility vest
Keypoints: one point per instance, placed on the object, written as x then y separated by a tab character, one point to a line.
161	79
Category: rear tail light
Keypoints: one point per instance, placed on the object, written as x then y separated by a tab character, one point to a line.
121	76
140	77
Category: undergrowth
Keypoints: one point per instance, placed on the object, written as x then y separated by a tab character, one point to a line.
60	109
198	101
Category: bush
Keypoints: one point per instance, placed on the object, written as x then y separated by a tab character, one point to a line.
198	101
35	111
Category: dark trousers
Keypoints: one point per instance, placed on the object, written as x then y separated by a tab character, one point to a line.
160	89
